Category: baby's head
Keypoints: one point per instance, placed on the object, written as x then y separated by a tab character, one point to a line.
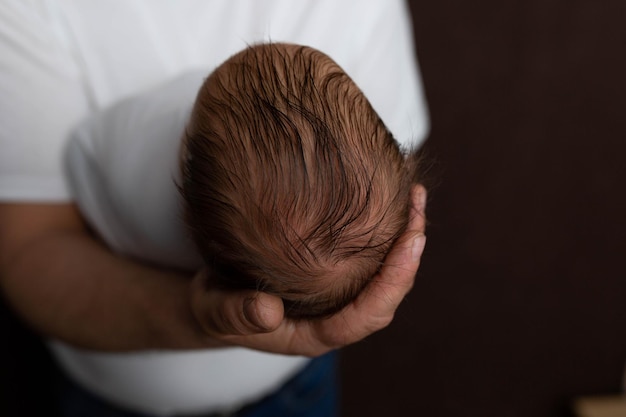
292	184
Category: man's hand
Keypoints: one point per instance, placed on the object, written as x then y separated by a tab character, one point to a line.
256	320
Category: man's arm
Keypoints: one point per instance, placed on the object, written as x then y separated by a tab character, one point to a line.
68	286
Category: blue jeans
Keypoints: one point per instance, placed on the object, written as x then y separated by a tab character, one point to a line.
314	392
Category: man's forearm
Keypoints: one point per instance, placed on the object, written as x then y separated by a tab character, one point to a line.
70	287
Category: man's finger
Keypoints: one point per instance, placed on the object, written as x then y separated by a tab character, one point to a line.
226	313
376	305
397	274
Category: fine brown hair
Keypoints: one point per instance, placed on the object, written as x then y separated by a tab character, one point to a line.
291	182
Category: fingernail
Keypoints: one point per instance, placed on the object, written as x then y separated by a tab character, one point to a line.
418	247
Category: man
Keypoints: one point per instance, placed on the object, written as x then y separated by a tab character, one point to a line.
62	61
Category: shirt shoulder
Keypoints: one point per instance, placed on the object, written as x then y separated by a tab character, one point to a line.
41	98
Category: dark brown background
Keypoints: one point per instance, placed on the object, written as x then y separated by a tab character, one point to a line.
520	304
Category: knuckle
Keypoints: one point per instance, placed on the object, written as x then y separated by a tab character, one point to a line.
380	322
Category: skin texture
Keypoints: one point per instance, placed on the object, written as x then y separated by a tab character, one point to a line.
69	286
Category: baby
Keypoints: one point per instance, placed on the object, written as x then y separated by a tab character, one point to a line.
290	182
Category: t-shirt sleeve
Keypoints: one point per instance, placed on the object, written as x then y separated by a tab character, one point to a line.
41	99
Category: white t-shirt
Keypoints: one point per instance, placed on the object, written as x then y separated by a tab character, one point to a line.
62	60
